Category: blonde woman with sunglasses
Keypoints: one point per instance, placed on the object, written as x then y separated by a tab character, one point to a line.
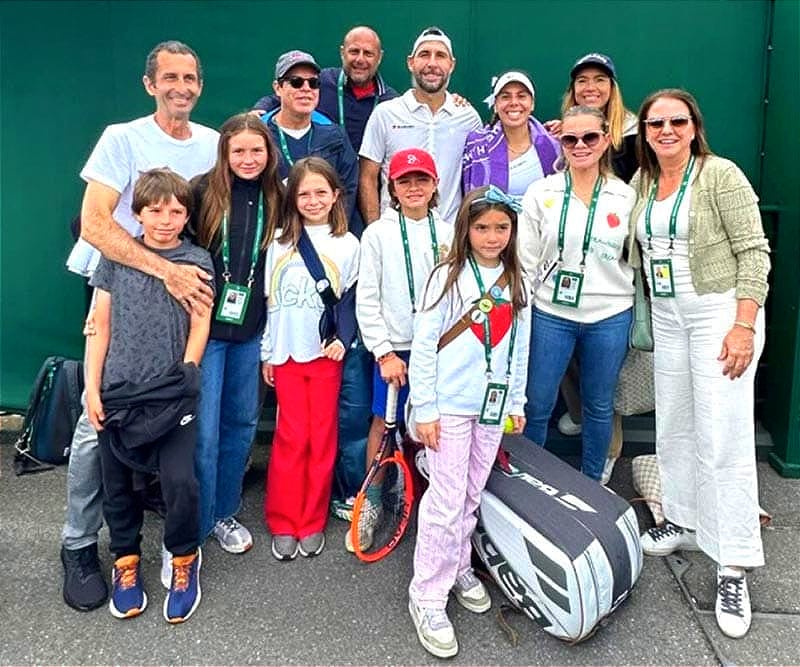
706	260
594	83
572	234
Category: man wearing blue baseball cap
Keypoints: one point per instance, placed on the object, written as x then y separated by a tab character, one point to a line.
298	135
349	94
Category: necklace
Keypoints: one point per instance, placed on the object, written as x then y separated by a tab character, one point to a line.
513	150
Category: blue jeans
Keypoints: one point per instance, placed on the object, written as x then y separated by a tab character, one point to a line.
227	419
601	348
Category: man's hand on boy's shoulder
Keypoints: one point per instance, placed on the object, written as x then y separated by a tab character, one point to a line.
188	284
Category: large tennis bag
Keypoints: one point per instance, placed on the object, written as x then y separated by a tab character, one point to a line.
564	549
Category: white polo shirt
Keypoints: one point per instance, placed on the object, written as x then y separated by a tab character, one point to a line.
406	123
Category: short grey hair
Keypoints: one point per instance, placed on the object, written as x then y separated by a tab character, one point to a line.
170	46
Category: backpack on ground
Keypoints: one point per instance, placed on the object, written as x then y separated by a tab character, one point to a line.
53	410
564	549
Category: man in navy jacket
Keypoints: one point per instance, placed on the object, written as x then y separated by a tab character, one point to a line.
348	94
298	135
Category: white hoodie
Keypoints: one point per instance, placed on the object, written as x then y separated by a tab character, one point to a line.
383	302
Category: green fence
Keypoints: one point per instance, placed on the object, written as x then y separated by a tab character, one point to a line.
67	69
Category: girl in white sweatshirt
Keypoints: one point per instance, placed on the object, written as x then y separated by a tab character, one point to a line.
398	253
305	372
461	396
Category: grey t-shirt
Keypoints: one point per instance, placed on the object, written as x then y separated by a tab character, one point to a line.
149	328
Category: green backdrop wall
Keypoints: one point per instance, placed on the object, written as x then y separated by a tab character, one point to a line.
67	69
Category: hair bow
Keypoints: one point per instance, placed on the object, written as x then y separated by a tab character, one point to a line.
495	195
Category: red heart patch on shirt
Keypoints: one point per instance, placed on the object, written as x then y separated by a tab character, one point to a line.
499	323
613	220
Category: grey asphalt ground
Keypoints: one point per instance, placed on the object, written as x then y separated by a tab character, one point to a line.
334	610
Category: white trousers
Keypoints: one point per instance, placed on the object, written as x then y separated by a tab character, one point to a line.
705	431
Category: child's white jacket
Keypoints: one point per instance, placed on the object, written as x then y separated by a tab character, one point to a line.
454	380
383	302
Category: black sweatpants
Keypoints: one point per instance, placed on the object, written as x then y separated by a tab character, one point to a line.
122	505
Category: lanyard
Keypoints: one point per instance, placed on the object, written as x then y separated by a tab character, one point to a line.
340	96
226	245
487	334
285	147
562	222
407	254
673	216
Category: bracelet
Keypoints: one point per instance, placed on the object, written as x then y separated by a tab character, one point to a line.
385	357
744	324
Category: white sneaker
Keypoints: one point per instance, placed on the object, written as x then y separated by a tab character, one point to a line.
232	536
608	470
568	427
369	517
435	631
166	567
733	602
663	540
471	593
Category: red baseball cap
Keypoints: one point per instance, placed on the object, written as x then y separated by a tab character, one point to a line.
412	159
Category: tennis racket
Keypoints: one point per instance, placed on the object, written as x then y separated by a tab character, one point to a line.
383	504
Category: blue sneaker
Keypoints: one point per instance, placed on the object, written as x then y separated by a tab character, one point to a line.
128	598
184	593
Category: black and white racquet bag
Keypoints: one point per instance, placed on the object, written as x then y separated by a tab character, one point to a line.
564	549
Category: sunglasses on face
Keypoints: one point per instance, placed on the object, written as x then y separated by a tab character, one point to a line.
298	81
590	139
678	122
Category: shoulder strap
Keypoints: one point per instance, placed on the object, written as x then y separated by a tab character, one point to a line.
465	320
314	265
74	376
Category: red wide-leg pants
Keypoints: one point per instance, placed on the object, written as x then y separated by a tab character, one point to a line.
303	454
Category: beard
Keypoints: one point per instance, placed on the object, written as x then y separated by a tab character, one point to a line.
418	81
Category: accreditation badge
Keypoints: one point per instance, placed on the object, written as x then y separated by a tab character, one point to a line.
568	285
661	277
493	401
233	303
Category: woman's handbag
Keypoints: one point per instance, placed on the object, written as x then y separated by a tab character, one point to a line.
641	333
635	394
647	483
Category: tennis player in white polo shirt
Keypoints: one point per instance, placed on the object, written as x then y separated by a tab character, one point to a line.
426	117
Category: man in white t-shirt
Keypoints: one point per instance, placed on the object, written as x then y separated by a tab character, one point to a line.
426	117
174	78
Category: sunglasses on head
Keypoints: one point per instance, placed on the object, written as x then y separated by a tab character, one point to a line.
590	139
298	81
679	121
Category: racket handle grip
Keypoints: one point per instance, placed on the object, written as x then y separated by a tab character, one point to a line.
390	417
